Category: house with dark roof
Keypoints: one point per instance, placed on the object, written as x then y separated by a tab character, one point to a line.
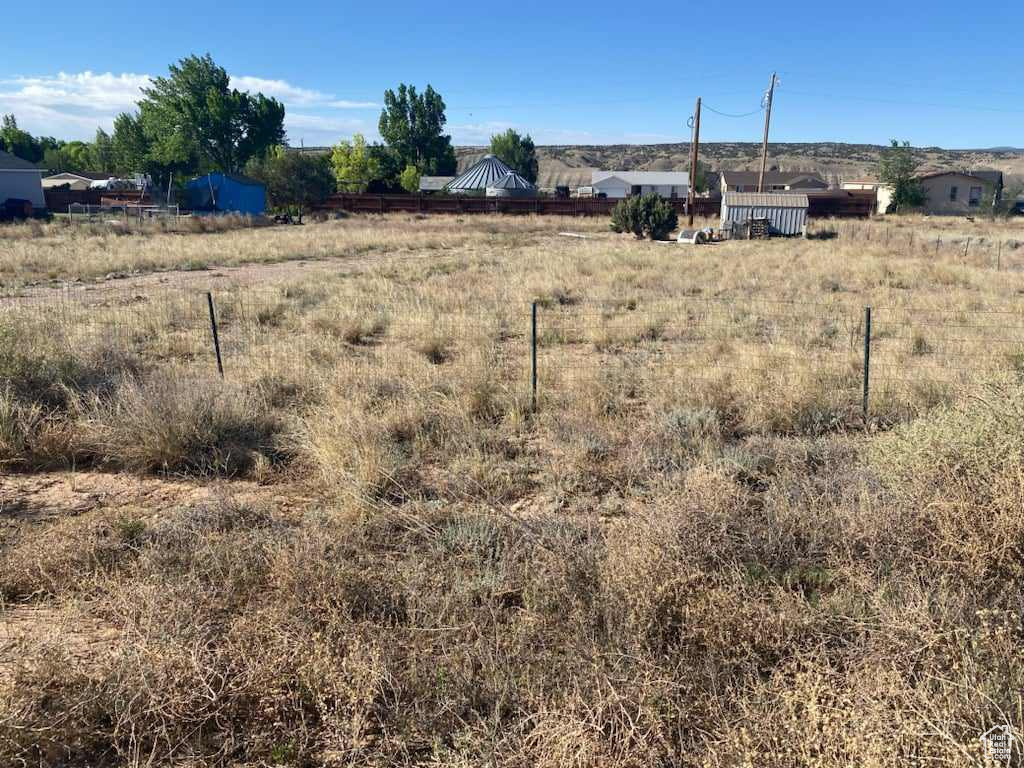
994	179
774	181
20	180
958	193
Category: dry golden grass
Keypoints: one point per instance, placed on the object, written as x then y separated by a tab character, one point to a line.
692	554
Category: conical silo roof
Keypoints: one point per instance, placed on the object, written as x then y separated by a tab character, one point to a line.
480	176
511	180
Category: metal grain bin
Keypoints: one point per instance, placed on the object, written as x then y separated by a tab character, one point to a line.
786	212
478	178
511	185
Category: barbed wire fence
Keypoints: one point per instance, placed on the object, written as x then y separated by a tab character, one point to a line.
860	363
1000	251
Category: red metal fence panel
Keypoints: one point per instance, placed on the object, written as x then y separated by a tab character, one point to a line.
552	206
833	204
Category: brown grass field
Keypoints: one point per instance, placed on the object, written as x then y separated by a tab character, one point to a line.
364	546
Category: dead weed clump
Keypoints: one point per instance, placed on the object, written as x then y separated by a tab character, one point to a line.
203	426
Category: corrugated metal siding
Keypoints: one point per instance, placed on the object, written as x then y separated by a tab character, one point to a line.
783	220
768	199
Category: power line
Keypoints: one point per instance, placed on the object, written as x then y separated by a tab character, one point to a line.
729	114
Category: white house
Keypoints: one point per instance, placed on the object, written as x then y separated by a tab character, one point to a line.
74	180
20	180
625	183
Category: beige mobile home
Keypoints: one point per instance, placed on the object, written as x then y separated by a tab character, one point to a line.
953	193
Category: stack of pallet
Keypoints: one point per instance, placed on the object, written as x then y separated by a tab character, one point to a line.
758	229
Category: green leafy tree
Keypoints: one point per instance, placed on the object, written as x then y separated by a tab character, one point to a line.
19	142
412	124
517	152
101	155
79	155
54	160
294	180
410	179
355	166
897	168
645	215
130	147
389	168
194	118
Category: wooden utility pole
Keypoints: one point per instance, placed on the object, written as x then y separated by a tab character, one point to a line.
764	144
691	194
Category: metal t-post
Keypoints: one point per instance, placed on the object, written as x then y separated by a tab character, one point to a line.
533	357
867	362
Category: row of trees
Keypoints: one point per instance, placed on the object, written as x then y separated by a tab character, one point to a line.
412	126
192	122
57	154
187	123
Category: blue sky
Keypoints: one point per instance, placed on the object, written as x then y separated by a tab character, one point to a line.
566	72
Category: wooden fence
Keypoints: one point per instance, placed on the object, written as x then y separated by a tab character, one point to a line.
822	205
59	198
550	206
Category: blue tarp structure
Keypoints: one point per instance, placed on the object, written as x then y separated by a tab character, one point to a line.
226	193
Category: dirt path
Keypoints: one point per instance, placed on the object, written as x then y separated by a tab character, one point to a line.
40	497
262	274
245	275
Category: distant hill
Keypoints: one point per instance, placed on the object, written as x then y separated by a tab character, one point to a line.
571	165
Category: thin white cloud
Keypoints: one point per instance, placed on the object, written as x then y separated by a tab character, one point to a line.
72	105
322	130
279	89
478	133
293	94
347	104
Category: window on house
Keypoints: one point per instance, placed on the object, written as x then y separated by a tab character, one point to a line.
952	194
975	198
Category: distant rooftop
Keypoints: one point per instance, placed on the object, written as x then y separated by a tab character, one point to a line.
434	183
83	175
749	178
9	162
639	178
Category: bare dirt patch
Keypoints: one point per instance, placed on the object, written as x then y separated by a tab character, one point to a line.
41	497
74	635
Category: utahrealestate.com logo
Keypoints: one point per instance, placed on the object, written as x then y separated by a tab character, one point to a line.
998	743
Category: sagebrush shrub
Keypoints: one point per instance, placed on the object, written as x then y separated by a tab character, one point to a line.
646	215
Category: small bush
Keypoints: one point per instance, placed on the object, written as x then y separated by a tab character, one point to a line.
647	215
174	425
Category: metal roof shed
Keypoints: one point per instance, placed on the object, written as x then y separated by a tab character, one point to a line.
786	211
